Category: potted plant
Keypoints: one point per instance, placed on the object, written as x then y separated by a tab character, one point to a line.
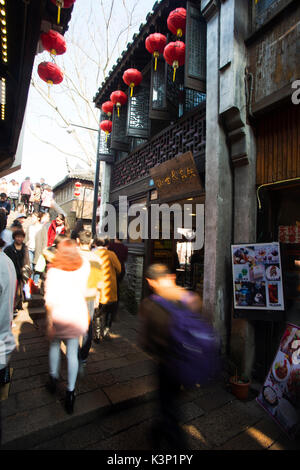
240	386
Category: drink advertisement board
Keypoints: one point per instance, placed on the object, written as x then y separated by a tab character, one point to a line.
280	395
257	276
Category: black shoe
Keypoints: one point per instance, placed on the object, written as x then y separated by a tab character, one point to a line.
97	340
51	384
69	402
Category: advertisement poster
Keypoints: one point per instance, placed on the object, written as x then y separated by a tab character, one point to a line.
280	395
257	276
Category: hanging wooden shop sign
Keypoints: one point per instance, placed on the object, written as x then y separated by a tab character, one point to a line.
177	177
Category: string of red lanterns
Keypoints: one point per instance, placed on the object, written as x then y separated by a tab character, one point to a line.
132	78
155	44
50	73
174	52
108	108
118	98
174	55
54	42
176	22
106	126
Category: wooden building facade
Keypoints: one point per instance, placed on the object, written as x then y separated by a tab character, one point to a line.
164	119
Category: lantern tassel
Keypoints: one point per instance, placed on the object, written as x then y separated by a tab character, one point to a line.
174	74
49	87
175	67
156	54
179	32
58	15
131	89
118	107
106	136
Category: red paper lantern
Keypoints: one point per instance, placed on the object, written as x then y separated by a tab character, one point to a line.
50	73
106	126
155	44
174	55
108	108
177	21
54	42
77	184
62	4
118	98
132	78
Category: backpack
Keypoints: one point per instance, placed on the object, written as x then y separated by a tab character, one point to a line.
195	346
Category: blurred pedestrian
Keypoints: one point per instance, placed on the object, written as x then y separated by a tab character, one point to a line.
7	297
110	268
32	229
172	329
84	240
41	238
79	227
3	186
46	198
58	226
25	191
5	204
18	253
121	251
36	197
13	194
67	312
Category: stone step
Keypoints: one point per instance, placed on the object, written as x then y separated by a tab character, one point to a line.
32	428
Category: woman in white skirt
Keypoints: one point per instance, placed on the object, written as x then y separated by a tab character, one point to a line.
68	318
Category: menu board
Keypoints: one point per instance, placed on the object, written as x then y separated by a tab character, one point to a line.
257	276
280	395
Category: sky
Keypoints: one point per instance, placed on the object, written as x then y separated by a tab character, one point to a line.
83	63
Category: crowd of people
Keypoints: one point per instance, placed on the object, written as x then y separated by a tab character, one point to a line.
33	196
79	276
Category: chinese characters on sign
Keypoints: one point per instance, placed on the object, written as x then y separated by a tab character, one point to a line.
280	395
289	234
176	176
257	277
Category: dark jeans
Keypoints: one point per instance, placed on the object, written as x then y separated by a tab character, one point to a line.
104	316
13	203
25	200
168	427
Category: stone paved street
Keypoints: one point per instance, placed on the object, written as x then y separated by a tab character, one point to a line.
116	404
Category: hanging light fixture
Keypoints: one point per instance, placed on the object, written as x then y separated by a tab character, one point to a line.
174	55
54	42
155	44
50	73
118	98
108	108
176	22
132	78
62	4
106	126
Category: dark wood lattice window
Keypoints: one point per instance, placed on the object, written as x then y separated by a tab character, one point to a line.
119	139
104	149
158	95
138	121
195	58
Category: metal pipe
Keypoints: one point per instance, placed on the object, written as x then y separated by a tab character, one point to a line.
272	184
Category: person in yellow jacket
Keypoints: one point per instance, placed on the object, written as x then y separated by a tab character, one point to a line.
108	301
92	296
